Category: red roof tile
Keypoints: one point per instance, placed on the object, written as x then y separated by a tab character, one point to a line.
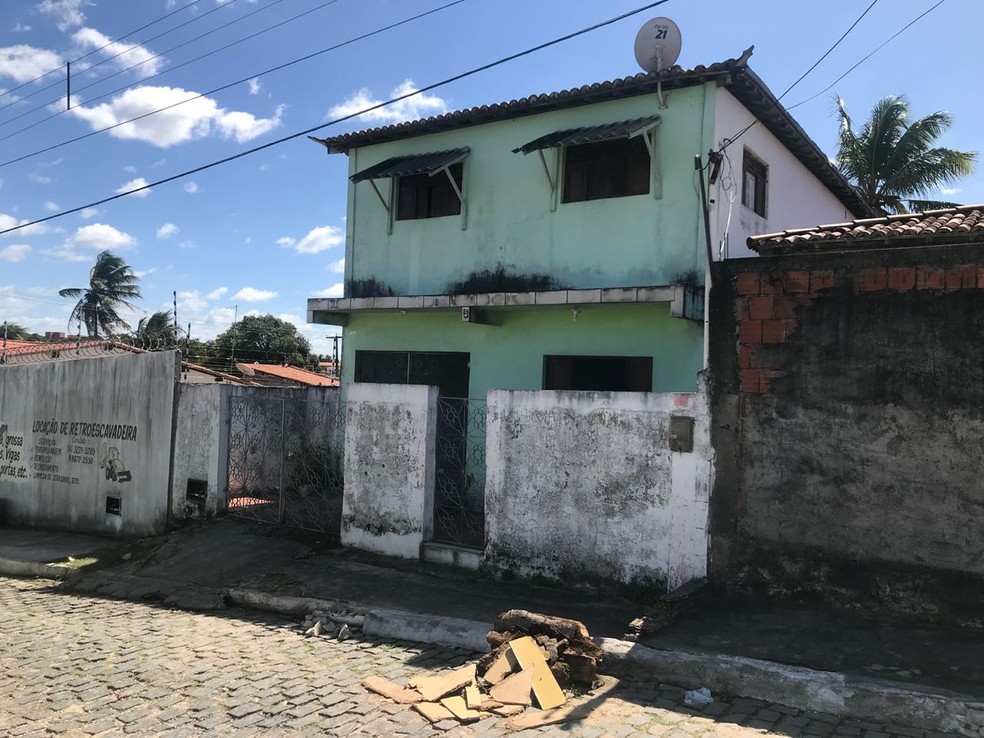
964	224
291	373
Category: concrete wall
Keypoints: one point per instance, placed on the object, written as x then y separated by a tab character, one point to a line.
514	221
582	487
390	436
795	198
200	449
75	433
849	412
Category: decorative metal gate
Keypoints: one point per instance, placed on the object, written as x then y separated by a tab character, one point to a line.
286	460
459	495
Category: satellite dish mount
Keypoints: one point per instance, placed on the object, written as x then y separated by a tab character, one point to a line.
657	47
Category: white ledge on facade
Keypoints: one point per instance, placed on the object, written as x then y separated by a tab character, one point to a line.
334	309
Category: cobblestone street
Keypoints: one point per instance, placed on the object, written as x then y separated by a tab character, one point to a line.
78	666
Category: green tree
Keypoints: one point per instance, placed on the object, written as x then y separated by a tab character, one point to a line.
156	330
265	339
112	286
15	332
894	161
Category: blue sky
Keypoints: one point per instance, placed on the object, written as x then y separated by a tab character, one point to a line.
264	233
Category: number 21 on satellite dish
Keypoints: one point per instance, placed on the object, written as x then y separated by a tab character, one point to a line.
657	45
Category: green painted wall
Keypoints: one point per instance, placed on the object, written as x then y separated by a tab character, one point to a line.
510	356
630	241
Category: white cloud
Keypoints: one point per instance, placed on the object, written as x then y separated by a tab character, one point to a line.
191	300
23	63
9	221
418	106
186	245
338	267
167	230
336	290
321	239
20	28
217	293
51	207
143	273
134	184
251	294
39	178
286	241
15	252
87	213
950	191
52	163
191	187
130	169
101	236
254	86
121	55
67	13
191	120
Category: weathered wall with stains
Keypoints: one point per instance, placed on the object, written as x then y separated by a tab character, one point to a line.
86	444
200	450
582	487
390	436
849	415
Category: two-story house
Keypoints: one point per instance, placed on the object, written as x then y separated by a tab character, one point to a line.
558	241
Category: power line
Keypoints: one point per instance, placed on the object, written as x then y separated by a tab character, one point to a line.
803	76
84	56
157	56
448	80
232	84
871	54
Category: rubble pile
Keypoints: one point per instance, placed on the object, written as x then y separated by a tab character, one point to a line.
330	624
534	658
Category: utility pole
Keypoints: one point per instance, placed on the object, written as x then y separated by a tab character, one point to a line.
175	293
235	319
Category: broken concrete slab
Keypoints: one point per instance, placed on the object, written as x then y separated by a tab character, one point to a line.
473	698
435	712
456	704
515	689
530	657
433	688
396	692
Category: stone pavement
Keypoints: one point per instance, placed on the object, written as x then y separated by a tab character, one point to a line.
74	665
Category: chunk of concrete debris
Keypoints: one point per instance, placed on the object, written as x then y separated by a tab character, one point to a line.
530	657
473	698
515	689
392	690
499	670
314	630
460	709
435	687
344	633
435	712
509	710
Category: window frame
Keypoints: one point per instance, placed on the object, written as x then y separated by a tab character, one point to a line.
643	151
758	170
637	372
429	183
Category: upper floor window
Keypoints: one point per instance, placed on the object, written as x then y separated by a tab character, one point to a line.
614	168
598	373
755	180
429	195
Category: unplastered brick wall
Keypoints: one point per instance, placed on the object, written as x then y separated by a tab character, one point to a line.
767	301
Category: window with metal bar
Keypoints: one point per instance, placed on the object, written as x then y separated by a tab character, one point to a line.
428	196
755	181
616	168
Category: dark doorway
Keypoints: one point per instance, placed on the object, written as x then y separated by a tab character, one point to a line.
598	373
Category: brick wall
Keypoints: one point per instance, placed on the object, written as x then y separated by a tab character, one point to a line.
848	406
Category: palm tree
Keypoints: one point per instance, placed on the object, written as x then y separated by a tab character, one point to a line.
112	285
893	161
156	329
13	331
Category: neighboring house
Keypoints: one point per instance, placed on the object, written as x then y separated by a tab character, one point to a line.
557	241
285	376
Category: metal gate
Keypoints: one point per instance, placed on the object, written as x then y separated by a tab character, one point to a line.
286	460
459	495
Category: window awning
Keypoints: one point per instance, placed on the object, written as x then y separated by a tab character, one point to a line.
590	134
402	166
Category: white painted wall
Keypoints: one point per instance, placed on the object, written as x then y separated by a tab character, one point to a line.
390	436
200	448
582	487
67	423
796	199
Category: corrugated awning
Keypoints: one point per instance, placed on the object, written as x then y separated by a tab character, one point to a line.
605	132
402	166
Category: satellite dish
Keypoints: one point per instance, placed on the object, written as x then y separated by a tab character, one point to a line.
658	44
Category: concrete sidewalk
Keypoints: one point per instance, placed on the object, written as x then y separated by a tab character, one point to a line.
805	657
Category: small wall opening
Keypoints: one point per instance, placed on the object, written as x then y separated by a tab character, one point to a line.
114	505
196	490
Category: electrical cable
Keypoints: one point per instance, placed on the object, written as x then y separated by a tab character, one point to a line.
871	54
449	80
144	80
803	76
120	38
232	84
